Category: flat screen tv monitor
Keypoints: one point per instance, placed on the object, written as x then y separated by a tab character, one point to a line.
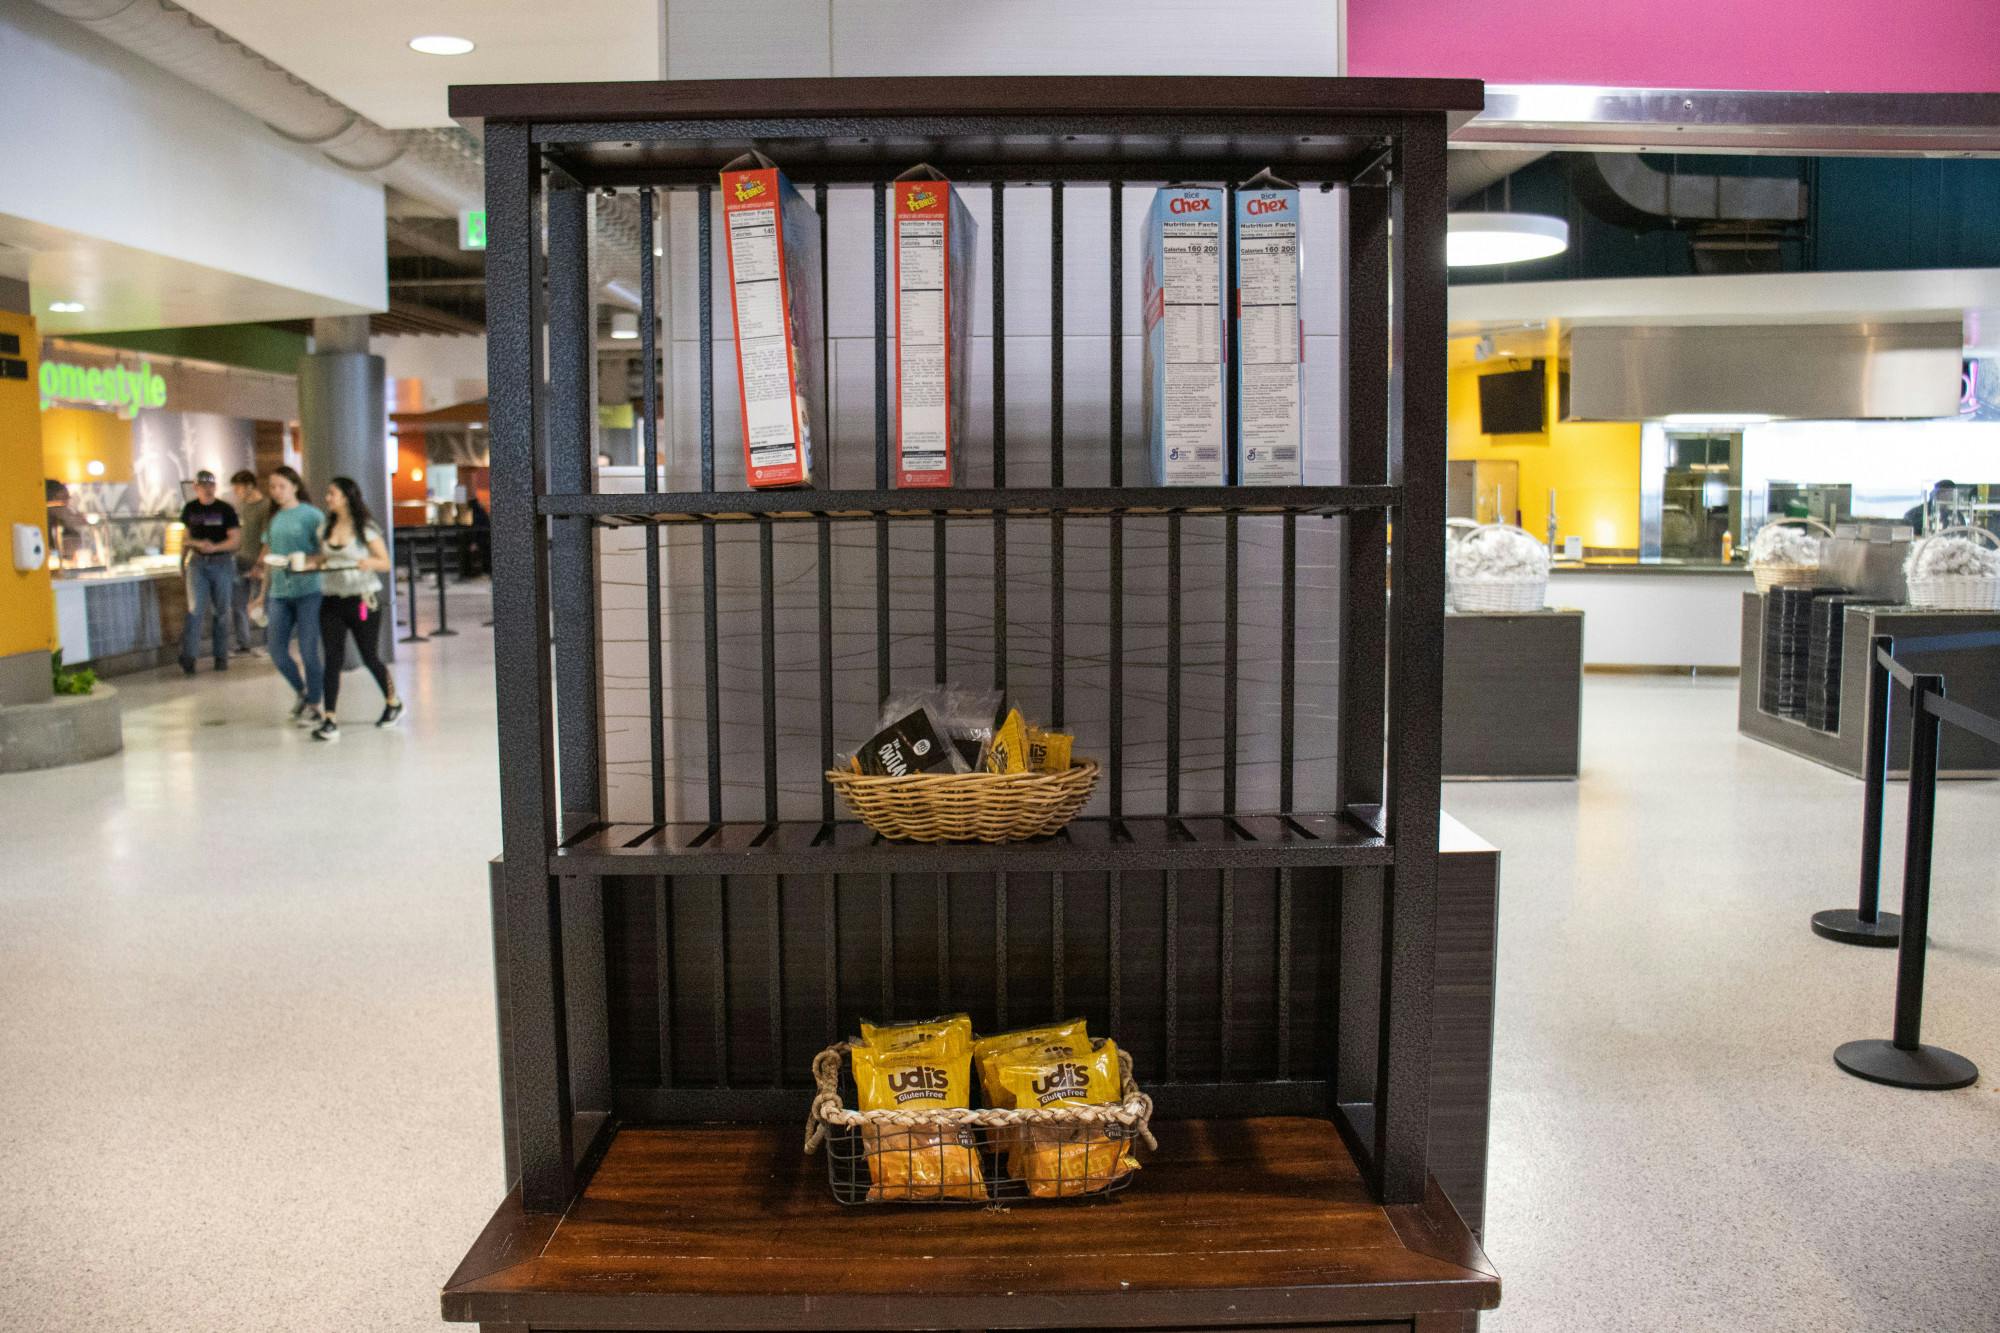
1514	402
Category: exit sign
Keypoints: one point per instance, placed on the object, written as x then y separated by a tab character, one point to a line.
472	229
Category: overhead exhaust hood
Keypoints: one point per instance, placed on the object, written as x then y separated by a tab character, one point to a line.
1816	372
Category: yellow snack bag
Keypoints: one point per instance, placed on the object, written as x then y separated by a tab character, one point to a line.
921	1162
951	1032
1057	1161
1007	752
1048	751
1047	1041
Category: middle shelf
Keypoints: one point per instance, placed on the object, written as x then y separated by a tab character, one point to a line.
811	847
637	508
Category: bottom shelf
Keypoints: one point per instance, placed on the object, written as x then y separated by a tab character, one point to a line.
1231	1222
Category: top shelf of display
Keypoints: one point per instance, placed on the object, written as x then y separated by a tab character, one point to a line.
979	127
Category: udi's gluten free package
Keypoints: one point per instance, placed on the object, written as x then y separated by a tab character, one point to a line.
1270	342
1186	355
934	240
772	235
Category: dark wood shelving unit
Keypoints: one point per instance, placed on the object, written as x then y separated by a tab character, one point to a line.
1269	963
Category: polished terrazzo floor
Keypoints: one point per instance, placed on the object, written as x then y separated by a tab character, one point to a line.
247	1051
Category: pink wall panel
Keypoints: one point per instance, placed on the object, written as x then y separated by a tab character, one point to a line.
1804	45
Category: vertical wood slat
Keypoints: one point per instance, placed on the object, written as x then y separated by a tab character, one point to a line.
538	1061
998	287
1365	456
649	427
1417	650
1116	700
711	664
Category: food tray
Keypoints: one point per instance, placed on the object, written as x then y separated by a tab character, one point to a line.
926	1157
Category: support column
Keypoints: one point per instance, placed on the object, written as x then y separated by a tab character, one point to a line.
27	604
344	416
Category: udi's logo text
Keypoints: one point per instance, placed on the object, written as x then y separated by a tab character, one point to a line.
1188	205
748	189
919	198
1063	1081
1258	207
922	1081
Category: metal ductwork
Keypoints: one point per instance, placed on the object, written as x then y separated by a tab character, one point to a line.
437	167
1740	223
1813	372
1467	171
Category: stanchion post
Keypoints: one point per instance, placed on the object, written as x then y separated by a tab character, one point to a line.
408	550
1866	925
1904	1061
444	629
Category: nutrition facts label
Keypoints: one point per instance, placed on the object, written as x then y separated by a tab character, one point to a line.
756	279
1191	308
920	343
1268	416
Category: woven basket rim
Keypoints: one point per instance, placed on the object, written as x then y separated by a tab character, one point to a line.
1133	1112
1076	770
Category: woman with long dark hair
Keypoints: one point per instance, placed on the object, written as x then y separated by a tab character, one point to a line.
291	596
353	554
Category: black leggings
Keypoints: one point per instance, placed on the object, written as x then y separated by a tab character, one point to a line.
337	617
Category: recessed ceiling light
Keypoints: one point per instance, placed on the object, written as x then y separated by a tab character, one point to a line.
1718	418
439	45
1502	238
66	307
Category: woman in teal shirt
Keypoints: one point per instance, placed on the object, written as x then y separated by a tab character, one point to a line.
292	596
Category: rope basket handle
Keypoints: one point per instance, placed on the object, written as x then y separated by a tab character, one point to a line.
1970	528
1134	1113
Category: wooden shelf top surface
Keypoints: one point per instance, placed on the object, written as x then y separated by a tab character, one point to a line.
1239	1221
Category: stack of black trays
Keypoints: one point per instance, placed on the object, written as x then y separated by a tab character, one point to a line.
1829	618
1787	643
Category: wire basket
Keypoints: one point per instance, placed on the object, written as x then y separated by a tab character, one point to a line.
1769	576
976	1155
1953	592
1524	594
967	807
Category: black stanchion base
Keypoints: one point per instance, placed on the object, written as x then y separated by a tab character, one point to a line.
1926	1068
443	633
1844	925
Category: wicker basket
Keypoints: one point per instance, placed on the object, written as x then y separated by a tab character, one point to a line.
1529	593
1772	576
967	807
968	1155
1954	592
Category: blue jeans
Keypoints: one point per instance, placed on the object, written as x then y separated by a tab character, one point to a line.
300	614
240	609
214	580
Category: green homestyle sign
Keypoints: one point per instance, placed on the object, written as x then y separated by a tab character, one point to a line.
472	229
117	387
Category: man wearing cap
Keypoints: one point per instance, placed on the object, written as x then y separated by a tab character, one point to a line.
213	532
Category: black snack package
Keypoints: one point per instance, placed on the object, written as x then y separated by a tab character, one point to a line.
969	716
913	743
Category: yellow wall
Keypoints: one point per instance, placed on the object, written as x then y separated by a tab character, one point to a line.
27	604
74	437
1593	467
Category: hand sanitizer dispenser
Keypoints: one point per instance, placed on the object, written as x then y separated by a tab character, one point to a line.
29	551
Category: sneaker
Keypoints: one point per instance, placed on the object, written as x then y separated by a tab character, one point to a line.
391	714
309	716
187	666
298	708
222	664
327	730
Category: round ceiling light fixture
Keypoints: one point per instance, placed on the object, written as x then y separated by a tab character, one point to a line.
1473	239
439	45
66	307
1719	419
624	325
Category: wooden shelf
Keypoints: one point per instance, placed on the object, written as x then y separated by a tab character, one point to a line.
808	847
612	509
1235	1222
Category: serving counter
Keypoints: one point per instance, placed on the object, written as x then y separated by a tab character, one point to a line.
1972	677
1656	614
1513	693
124	619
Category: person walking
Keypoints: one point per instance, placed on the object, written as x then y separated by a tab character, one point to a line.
253	510
353	554
213	535
291	600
